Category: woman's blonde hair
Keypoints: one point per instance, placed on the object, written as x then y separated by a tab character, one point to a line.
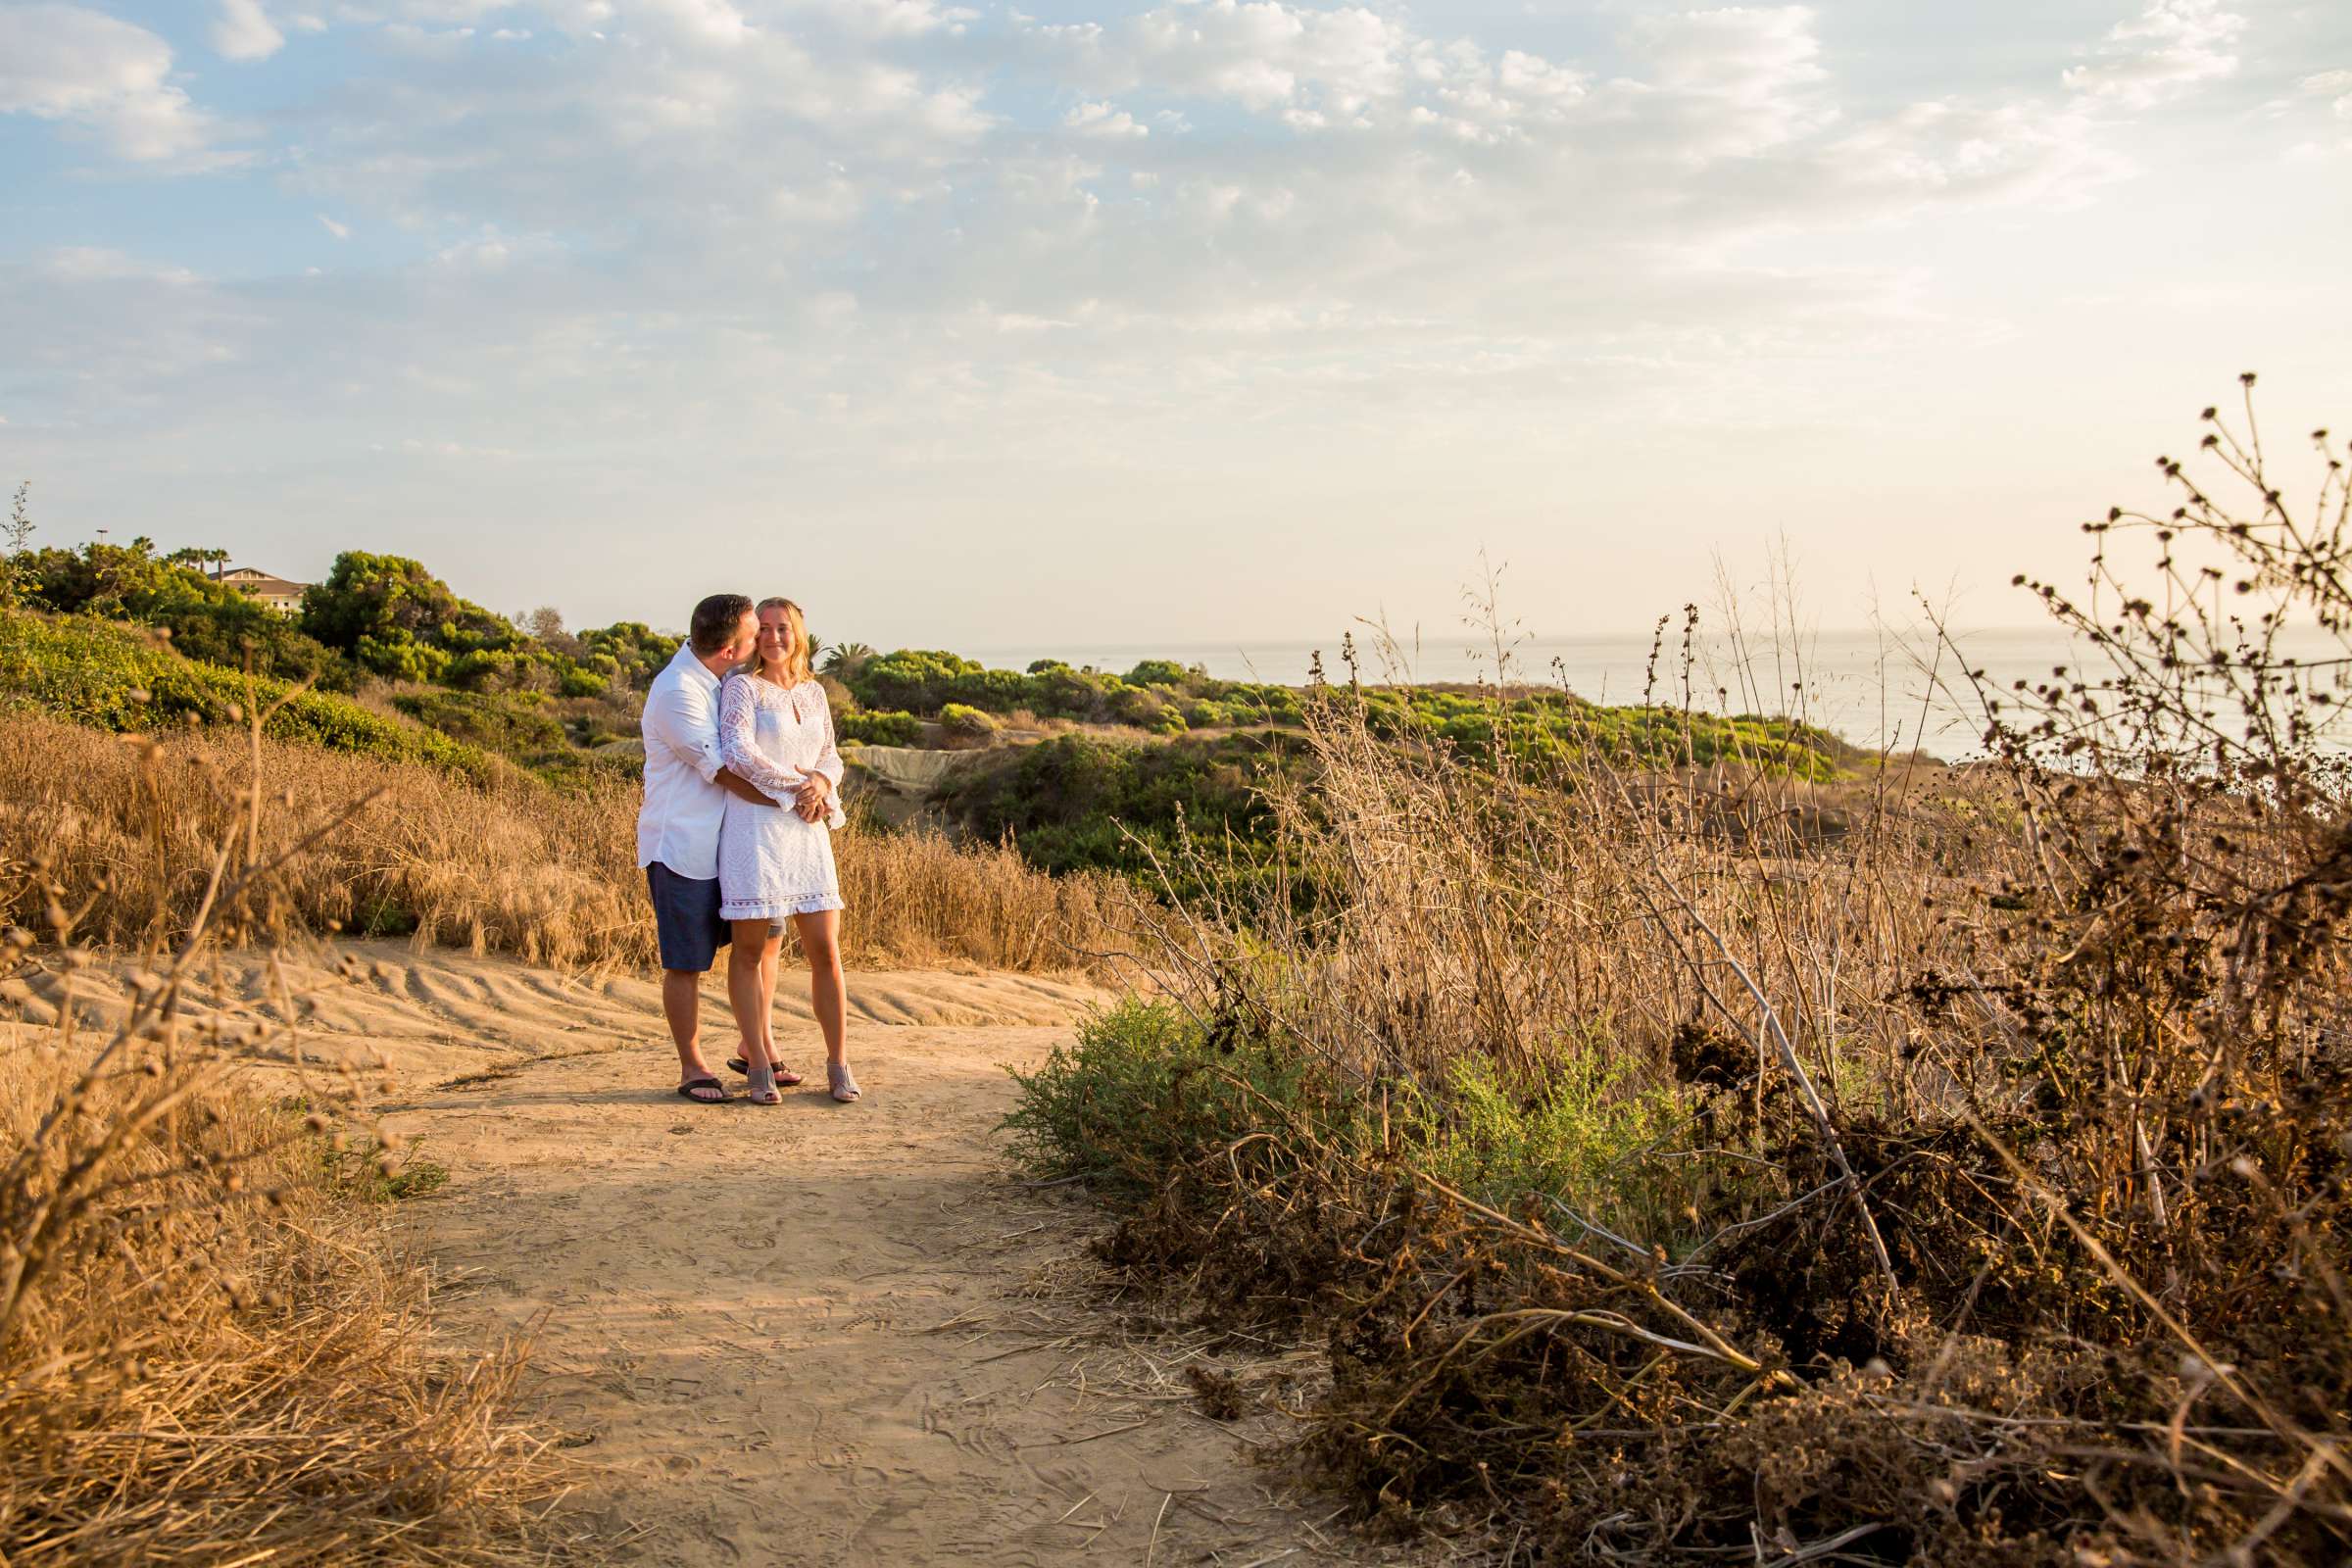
796	657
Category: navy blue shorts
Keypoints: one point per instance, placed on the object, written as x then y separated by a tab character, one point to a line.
686	918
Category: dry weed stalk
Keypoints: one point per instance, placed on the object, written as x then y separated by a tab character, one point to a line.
206	1352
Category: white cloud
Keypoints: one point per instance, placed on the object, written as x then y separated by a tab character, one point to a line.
491	250
1949	149
1259	53
1529	76
898	237
101	263
244	32
82	68
2335	84
712	21
2170	48
1736	80
1104	119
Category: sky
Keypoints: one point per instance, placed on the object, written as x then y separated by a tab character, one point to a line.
1075	322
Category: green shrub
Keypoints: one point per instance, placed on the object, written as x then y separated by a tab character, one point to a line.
109	677
484	670
878	729
401	656
222	632
968	723
1134	705
628	652
1577	1135
392	615
1061	692
1082	803
1141	1093
998	691
1163	673
512	725
916	680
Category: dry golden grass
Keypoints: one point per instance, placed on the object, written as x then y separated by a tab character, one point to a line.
222	1356
551	878
213	1348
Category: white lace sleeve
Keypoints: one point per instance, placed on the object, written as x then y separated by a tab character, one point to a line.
828	759
738	742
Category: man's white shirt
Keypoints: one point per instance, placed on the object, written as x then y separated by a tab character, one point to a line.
678	824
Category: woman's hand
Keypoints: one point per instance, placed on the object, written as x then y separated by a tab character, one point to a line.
809	803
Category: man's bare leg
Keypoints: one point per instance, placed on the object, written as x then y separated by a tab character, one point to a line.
682	1006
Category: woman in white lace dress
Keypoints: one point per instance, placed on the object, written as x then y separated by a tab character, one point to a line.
775	862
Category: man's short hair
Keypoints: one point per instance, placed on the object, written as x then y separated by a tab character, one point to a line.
716	621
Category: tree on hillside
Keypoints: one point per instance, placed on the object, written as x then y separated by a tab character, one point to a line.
842	661
545	625
400	621
628	652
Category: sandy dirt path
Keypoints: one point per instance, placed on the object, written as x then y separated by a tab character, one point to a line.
811	1334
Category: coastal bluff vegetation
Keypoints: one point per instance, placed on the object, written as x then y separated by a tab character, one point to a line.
1619	1134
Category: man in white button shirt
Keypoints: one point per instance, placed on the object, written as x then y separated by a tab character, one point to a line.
686	789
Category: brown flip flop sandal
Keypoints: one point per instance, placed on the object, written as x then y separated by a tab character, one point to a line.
786	1078
686	1091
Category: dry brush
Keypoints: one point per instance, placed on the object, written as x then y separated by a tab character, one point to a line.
1995	1204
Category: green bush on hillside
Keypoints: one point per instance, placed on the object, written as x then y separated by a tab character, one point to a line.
109	677
512	725
1140	1092
399	619
395	619
1146	709
877	729
628	652
966	723
1143	1092
914	680
207	621
1079	801
1167	672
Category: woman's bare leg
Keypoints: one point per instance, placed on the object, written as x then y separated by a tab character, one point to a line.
820	945
768	961
750	951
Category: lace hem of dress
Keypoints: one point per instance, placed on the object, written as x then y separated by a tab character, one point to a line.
775	910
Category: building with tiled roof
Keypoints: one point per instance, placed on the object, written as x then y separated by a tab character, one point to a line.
277	592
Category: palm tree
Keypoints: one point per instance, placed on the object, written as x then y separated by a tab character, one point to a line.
845	659
199	557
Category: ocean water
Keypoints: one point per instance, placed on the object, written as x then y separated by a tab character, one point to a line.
1874	688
